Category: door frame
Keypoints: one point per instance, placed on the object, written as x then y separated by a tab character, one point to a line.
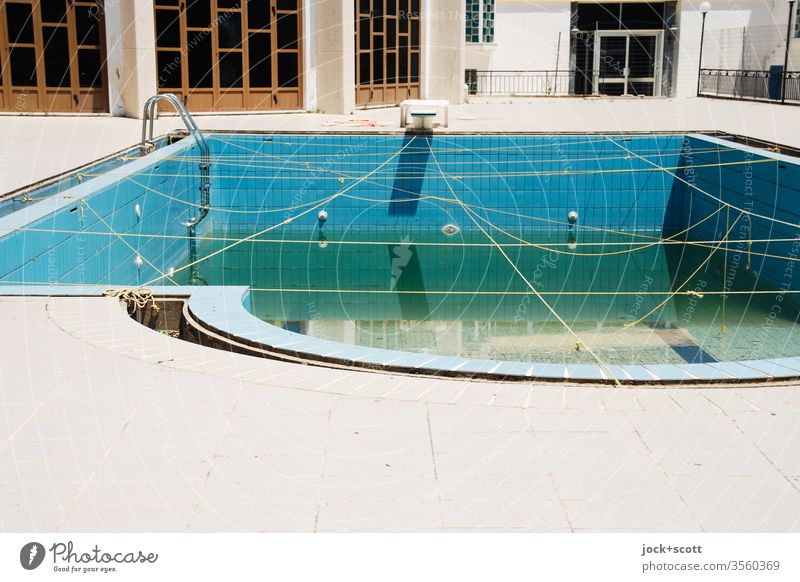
626	78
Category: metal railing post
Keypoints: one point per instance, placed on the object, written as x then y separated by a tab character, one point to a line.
786	52
700	58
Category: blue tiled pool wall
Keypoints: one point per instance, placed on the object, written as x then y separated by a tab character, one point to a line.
543	177
71	245
449	277
763	183
70	180
281	172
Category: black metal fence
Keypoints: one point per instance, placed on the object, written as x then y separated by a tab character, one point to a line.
518	82
750	63
751	85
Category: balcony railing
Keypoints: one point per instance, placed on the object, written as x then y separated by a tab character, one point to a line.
518	82
750	84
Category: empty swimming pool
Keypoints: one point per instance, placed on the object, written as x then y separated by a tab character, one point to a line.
613	257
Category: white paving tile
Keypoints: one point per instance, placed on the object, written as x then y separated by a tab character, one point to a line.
102	437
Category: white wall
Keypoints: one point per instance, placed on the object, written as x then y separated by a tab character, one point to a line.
443	27
526	37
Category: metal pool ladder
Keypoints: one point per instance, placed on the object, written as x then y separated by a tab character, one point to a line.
148	145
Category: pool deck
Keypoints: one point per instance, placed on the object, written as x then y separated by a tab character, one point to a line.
61	143
108	426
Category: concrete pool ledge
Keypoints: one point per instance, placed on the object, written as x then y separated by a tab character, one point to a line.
72	196
225	310
225	313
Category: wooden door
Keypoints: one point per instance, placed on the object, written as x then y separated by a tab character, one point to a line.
387	49
230	55
53	56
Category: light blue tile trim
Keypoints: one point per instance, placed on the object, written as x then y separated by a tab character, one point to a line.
771	369
224	308
737	370
585	372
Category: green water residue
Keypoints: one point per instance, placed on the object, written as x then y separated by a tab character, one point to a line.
460	296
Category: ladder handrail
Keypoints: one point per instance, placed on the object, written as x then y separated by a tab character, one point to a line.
148	116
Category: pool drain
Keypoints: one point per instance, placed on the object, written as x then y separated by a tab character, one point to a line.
450	229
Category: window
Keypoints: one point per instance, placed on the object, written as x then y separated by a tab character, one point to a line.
480	21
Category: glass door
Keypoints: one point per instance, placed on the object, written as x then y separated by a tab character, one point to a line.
643	59
611	65
627	63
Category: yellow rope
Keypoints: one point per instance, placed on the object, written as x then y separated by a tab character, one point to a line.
417	197
600	254
126	243
580	140
292	207
216	209
253	163
716	198
686	282
689	293
134	297
245	239
394	175
520	242
701	243
525	279
283	222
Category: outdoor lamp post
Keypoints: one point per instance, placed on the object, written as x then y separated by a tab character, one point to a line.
704	8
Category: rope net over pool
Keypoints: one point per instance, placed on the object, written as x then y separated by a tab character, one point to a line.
562	249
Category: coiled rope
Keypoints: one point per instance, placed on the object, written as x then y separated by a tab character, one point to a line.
135	298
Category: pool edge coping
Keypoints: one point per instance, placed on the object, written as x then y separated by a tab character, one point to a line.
225	310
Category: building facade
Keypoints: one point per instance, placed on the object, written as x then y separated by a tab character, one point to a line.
109	56
619	48
79	56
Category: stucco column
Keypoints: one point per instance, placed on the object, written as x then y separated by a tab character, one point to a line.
333	27
443	49
113	25
443	23
133	76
